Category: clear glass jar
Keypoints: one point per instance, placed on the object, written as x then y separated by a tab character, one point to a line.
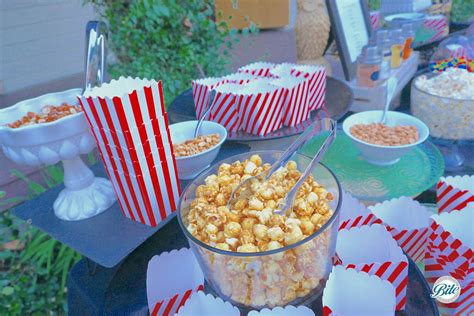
294	274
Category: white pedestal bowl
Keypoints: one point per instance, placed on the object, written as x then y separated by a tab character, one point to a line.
64	140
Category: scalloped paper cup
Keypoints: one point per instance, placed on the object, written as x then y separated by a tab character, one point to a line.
239	77
351	208
282	70
171	279
260	107
284	311
201	93
261	69
454	193
408	221
225	107
296	103
317	83
372	249
200	304
128	120
349	292
450	252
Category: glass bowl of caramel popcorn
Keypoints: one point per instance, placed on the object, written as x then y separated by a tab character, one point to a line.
251	256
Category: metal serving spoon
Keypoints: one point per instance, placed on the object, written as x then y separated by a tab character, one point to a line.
212	95
243	190
391	87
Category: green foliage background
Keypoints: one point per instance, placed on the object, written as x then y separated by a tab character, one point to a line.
170	40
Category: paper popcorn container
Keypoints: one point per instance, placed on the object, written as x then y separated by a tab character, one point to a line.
201	93
282	70
239	78
408	221
260	107
225	107
374	19
200	304
351	208
435	25
349	292
450	252
261	69
128	120
359	221
372	249
284	311
454	193
170	280
296	103
317	83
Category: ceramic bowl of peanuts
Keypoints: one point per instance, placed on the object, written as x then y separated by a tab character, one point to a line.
250	255
384	144
195	154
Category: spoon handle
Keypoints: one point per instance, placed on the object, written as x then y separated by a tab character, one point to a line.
323	125
212	95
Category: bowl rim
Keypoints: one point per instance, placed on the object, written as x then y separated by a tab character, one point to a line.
329	222
346	130
430	75
223	139
21	129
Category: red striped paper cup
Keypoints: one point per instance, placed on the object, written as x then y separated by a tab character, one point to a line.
206	304
296	104
374	17
261	69
372	249
129	122
260	107
338	297
240	77
172	277
317	83
225	107
282	70
408	222
454	193
351	208
201	93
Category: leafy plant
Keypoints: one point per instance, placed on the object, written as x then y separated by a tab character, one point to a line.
171	40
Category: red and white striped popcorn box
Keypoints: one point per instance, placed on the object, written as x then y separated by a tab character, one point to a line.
200	304
450	253
261	69
260	107
282	70
454	193
374	19
408	221
317	83
172	277
117	113
239	77
296	104
201	93
225	107
359	221
351	292
438	25
351	208
281	311
372	249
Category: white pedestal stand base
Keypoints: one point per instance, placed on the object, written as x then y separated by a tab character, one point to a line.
85	195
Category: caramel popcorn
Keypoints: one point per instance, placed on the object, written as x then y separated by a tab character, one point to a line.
196	145
48	113
251	226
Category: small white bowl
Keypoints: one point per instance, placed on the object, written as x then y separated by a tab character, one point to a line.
190	166
384	155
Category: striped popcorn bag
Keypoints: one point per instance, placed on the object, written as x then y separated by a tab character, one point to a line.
172	277
408	222
454	193
261	69
372	249
201	93
224	107
296	104
128	120
317	84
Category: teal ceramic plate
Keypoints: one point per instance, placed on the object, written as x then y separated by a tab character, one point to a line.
416	172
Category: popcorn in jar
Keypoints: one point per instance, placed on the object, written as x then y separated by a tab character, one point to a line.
250	255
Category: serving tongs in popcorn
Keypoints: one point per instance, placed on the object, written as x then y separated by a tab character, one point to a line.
244	189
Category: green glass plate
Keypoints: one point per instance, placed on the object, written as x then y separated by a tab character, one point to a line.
416	172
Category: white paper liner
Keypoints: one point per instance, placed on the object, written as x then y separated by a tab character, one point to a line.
402	213
200	304
352	293
284	311
172	273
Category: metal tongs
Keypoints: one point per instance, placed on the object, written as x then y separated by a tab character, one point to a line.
244	190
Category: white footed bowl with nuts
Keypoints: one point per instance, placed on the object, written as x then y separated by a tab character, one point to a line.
251	256
195	155
445	102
